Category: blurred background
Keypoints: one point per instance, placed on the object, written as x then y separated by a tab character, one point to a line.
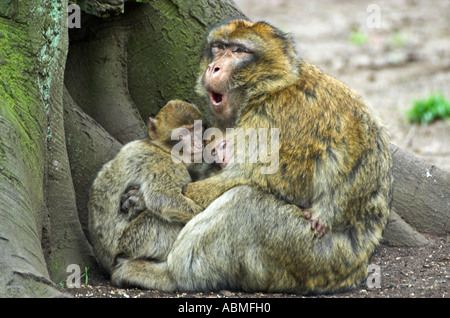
395	54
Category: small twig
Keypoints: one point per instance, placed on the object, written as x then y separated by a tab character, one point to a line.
409	136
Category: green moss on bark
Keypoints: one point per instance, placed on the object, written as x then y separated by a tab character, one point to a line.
21	99
32	54
164	49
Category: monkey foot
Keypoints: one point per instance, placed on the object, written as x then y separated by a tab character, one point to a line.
132	202
316	224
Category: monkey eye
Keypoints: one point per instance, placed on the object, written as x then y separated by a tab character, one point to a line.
217	48
237	49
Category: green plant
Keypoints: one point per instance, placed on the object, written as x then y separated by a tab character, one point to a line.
398	39
86	278
358	38
426	110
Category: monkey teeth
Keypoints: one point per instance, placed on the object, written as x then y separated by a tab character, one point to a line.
216	98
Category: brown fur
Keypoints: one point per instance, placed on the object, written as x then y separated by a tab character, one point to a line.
145	165
333	158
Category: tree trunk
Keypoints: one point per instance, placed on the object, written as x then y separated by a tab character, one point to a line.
421	200
96	77
421	193
40	233
62	118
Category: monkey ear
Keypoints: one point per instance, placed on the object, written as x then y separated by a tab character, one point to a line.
152	128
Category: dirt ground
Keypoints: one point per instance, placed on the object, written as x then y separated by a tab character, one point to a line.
406	58
404	272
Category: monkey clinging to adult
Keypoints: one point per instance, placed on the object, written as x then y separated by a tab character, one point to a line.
145	168
333	159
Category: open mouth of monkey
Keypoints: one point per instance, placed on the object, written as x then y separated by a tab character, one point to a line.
216	98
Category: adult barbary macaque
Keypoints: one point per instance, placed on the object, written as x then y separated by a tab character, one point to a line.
150	217
333	159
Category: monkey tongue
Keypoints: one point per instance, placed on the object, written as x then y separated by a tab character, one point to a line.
216	98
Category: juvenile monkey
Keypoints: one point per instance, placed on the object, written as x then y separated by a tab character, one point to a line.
154	210
333	159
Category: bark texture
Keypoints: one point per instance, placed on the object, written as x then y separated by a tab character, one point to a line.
421	201
421	193
89	146
96	77
33	47
164	47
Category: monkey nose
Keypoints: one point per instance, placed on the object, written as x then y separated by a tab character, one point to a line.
213	69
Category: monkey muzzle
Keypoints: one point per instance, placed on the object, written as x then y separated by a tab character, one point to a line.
216	98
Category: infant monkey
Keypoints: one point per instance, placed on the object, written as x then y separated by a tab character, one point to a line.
143	223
